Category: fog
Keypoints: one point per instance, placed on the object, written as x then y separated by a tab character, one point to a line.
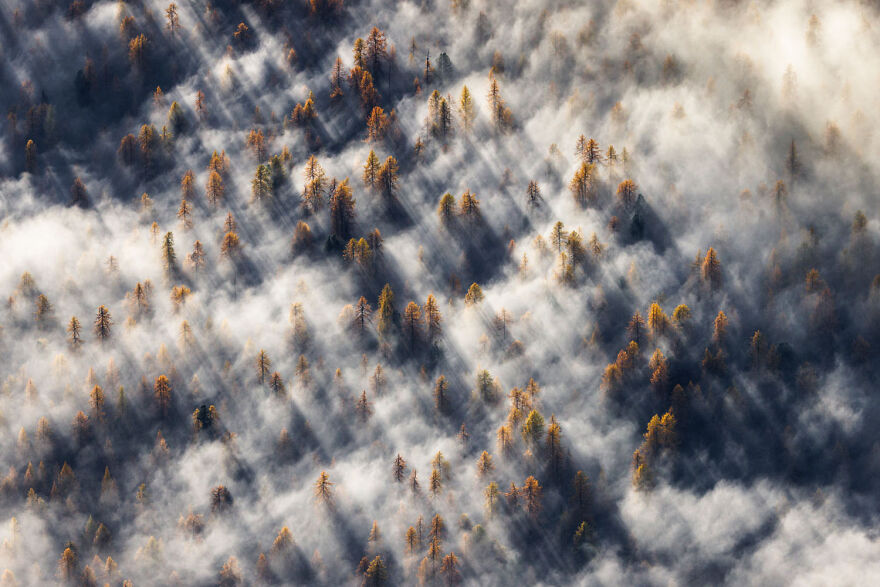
769	471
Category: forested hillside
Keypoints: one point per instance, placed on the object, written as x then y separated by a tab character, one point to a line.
340	292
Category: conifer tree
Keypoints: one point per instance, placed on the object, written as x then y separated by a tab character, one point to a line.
466	110
103	322
446	209
162	392
432	319
412	316
214	188
261	184
371	170
386	311
342	211
263	365
710	270
73	330
324	489
399	472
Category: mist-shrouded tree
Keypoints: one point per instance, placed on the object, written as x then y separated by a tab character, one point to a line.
263	366
362	316
315	182
474	295
433	318
214	188
399	469
261	184
446	209
470	206
466	110
103	324
323	489
388	179
371	170
386	311
626	192
412	316
74	331
342	213
441	395
710	270
582	185
502	117
533	196
169	257
162	393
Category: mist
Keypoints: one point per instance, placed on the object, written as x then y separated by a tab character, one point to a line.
642	258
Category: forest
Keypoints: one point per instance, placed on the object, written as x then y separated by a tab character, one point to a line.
439	292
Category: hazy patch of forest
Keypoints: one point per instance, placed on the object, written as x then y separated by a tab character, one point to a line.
439	292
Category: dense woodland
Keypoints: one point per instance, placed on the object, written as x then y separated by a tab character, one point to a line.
439	292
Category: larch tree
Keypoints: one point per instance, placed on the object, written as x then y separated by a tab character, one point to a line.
173	24
378	380
214	188
580	497
436	483
626	192
446	209
588	151
710	270
169	258
184	214
441	394
230	246
337	77
362	316
30	157
636	327
363	407
501	114
375	50
449	570
342	214
582	185
558	236
466	110
371	171
103	322
469	206
533	428
474	295
263	366
315	180
432	319
484	464
658	322
493	498
531	492
533	196
162	392
554	445
386	311
187	185
261	184
74	329
197	258
378	124
412	316
399	469
324	489
388	179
